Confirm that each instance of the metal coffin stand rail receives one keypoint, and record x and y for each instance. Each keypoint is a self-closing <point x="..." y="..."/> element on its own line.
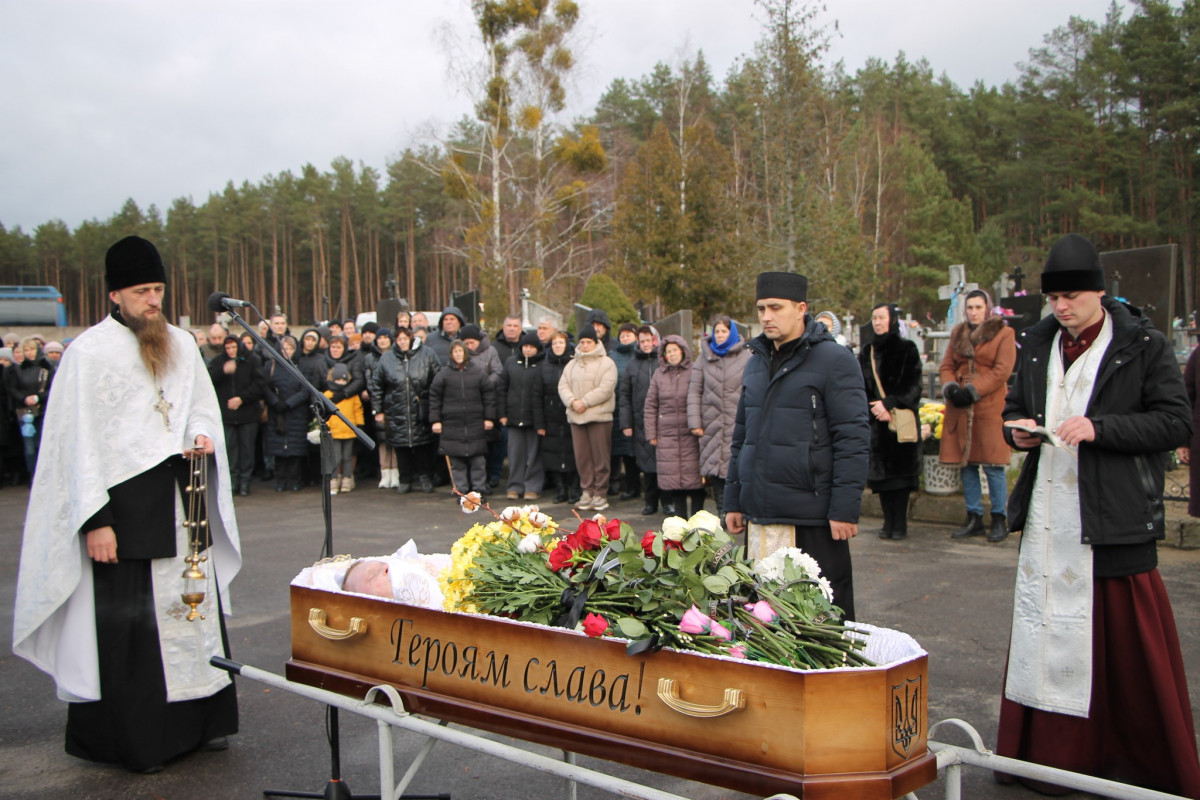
<point x="950" y="758"/>
<point x="396" y="716"/>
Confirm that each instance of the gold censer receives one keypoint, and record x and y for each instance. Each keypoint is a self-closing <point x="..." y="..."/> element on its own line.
<point x="194" y="578"/>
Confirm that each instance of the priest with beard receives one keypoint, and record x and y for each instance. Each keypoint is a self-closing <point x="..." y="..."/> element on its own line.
<point x="99" y="604"/>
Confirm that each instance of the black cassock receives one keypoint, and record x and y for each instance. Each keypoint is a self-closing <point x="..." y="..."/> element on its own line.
<point x="132" y="723"/>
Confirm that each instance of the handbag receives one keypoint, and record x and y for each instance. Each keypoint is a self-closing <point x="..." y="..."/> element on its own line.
<point x="904" y="420"/>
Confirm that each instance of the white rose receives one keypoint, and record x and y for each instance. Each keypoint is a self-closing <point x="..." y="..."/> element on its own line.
<point x="674" y="529"/>
<point x="706" y="520"/>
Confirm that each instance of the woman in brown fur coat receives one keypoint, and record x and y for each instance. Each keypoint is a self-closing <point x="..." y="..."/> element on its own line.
<point x="974" y="375"/>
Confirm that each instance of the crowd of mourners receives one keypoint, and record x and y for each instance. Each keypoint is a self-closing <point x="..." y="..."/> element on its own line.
<point x="575" y="418"/>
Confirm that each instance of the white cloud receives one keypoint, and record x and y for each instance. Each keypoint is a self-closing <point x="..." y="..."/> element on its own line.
<point x="110" y="99"/>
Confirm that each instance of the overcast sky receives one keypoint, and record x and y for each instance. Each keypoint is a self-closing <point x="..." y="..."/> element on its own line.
<point x="104" y="100"/>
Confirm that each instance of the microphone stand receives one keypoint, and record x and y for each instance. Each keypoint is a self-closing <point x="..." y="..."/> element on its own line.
<point x="323" y="408"/>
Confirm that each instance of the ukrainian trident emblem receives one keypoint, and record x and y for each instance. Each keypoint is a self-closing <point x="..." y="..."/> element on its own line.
<point x="906" y="716"/>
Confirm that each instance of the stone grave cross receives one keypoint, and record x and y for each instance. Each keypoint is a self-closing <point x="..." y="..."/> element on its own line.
<point x="956" y="292"/>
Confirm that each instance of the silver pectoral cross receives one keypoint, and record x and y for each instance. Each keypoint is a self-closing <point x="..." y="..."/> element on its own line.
<point x="163" y="407"/>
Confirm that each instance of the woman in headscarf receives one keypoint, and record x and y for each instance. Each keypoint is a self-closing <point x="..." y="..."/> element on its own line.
<point x="286" y="438"/>
<point x="716" y="387"/>
<point x="677" y="448"/>
<point x="462" y="409"/>
<point x="891" y="368"/>
<point x="237" y="377"/>
<point x="974" y="373"/>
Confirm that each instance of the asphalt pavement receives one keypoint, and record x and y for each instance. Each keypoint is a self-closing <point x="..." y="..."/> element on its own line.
<point x="955" y="598"/>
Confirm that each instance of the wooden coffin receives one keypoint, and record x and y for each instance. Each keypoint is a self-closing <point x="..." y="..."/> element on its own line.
<point x="853" y="733"/>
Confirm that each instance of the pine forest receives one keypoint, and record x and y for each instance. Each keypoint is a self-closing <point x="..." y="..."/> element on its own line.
<point x="680" y="185"/>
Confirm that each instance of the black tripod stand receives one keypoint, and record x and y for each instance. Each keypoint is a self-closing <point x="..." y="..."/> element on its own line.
<point x="323" y="409"/>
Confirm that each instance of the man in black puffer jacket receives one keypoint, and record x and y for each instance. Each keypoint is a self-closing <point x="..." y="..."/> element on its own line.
<point x="801" y="440"/>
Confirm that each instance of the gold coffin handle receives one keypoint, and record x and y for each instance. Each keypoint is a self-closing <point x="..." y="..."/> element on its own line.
<point x="668" y="692"/>
<point x="316" y="620"/>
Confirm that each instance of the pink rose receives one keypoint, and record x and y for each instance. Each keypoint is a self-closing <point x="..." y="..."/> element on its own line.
<point x="762" y="611"/>
<point x="738" y="651"/>
<point x="594" y="625"/>
<point x="720" y="631"/>
<point x="694" y="621"/>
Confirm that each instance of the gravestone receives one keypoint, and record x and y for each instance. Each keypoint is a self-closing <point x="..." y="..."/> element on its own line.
<point x="533" y="312"/>
<point x="468" y="304"/>
<point x="579" y="311"/>
<point x="387" y="309"/>
<point x="678" y="324"/>
<point x="1149" y="278"/>
<point x="1026" y="308"/>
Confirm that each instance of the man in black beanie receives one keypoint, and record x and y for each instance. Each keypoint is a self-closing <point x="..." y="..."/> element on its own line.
<point x="801" y="441"/>
<point x="105" y="538"/>
<point x="1095" y="680"/>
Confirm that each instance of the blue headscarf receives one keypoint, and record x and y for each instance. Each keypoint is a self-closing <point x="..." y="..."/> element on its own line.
<point x="735" y="338"/>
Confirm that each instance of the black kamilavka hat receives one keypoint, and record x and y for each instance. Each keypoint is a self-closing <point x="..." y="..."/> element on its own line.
<point x="784" y="285"/>
<point x="132" y="262"/>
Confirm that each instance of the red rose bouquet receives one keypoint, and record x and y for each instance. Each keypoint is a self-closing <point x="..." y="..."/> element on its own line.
<point x="686" y="586"/>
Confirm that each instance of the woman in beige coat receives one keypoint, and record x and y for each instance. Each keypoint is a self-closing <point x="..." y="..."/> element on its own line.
<point x="974" y="373"/>
<point x="588" y="388"/>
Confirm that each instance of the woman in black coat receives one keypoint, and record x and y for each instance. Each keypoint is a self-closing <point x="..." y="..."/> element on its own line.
<point x="237" y="377"/>
<point x="516" y="401"/>
<point x="558" y="451"/>
<point x="28" y="386"/>
<point x="314" y="365"/>
<point x="635" y="385"/>
<point x="399" y="387"/>
<point x="287" y="420"/>
<point x="462" y="409"/>
<point x="894" y="467"/>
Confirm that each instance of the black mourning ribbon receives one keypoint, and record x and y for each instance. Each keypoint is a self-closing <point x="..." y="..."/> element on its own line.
<point x="574" y="601"/>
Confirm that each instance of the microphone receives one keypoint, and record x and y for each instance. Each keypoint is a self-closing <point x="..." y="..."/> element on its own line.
<point x="220" y="301"/>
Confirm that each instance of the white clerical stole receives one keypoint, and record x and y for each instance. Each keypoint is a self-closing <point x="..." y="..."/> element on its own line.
<point x="1050" y="655"/>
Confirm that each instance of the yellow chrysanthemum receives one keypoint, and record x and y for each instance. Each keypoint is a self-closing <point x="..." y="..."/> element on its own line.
<point x="457" y="588"/>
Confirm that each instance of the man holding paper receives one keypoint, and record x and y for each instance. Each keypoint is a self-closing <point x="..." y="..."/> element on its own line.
<point x="1095" y="679"/>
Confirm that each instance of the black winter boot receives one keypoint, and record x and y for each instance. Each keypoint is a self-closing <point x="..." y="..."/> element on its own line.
<point x="885" y="502"/>
<point x="999" y="529"/>
<point x="652" y="496"/>
<point x="560" y="486"/>
<point x="900" y="515"/>
<point x="972" y="527"/>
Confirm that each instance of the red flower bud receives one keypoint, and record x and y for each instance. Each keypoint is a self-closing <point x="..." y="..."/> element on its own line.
<point x="561" y="556"/>
<point x="594" y="625"/>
